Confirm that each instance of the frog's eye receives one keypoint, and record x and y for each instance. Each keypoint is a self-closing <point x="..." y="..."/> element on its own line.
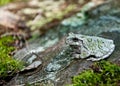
<point x="75" y="39"/>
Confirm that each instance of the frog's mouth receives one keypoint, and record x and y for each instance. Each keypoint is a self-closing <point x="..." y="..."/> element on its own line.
<point x="74" y="46"/>
<point x="76" y="49"/>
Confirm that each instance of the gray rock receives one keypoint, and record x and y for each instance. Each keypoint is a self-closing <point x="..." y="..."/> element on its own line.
<point x="34" y="65"/>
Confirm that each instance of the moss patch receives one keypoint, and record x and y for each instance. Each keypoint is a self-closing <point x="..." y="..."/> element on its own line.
<point x="7" y="63"/>
<point x="101" y="73"/>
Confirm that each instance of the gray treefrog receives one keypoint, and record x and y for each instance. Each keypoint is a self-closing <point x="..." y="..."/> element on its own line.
<point x="90" y="47"/>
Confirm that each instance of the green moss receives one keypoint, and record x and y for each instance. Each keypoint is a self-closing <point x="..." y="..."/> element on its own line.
<point x="101" y="73"/>
<point x="7" y="63"/>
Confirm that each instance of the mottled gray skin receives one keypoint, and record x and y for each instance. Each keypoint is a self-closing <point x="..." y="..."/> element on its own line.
<point x="90" y="47"/>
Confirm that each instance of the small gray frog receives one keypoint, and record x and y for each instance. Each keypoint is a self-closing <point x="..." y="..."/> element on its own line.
<point x="90" y="47"/>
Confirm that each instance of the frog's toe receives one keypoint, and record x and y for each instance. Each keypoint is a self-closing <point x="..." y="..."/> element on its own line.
<point x="94" y="59"/>
<point x="76" y="56"/>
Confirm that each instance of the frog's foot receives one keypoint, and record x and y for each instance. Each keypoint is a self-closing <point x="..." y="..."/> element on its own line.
<point x="94" y="59"/>
<point x="97" y="58"/>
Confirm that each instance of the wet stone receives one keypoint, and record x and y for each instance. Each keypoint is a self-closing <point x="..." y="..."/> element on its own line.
<point x="59" y="62"/>
<point x="81" y="47"/>
<point x="53" y="67"/>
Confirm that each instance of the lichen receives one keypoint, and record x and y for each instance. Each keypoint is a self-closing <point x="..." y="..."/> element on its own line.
<point x="75" y="20"/>
<point x="7" y="63"/>
<point x="101" y="73"/>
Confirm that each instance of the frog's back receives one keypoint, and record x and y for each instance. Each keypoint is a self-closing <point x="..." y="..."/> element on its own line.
<point x="98" y="46"/>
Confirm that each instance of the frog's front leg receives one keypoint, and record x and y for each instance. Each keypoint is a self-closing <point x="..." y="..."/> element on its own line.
<point x="76" y="56"/>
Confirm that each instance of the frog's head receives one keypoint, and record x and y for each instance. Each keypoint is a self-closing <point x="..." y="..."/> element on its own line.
<point x="74" y="39"/>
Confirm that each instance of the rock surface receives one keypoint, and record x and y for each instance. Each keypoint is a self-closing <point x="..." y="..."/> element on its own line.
<point x="106" y="25"/>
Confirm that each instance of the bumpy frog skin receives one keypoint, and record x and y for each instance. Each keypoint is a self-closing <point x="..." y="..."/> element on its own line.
<point x="90" y="47"/>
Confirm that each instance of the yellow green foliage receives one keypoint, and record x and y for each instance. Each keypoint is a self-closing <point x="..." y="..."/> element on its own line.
<point x="52" y="16"/>
<point x="7" y="63"/>
<point x="102" y="73"/>
<point x="3" y="2"/>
